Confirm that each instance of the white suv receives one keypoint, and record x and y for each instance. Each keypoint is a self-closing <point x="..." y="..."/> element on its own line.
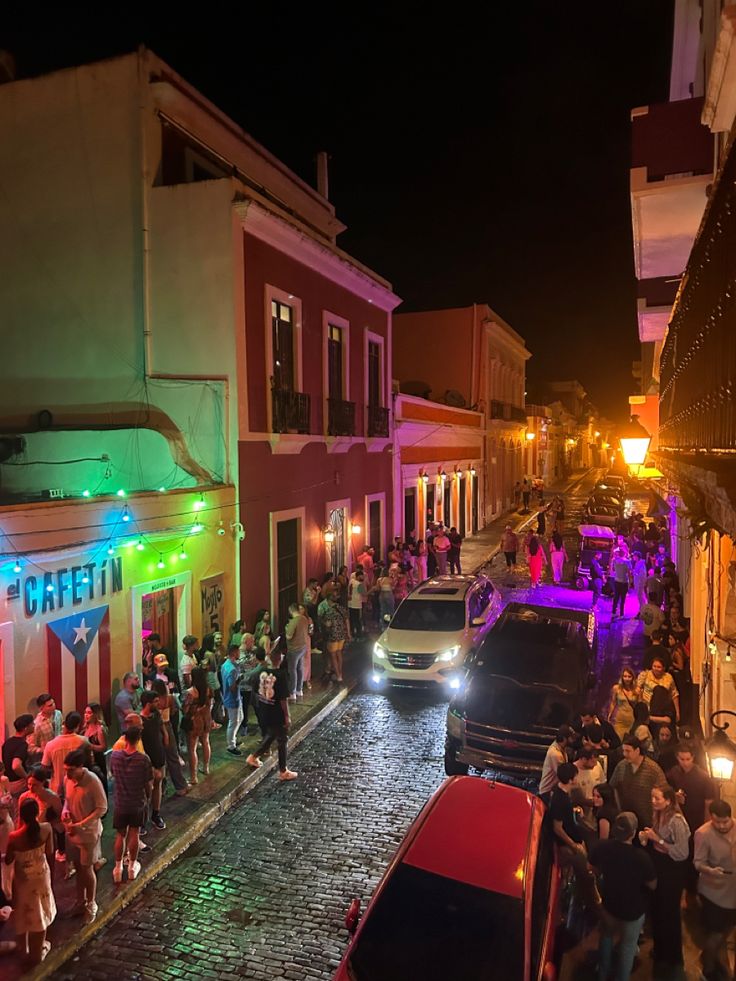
<point x="432" y="632"/>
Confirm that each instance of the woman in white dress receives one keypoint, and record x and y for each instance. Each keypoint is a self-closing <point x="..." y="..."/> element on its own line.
<point x="31" y="849"/>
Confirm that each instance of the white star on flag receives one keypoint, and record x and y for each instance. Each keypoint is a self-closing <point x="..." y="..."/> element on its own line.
<point x="80" y="632"/>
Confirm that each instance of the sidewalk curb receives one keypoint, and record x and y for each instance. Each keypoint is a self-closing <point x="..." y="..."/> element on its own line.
<point x="209" y="816"/>
<point x="529" y="518"/>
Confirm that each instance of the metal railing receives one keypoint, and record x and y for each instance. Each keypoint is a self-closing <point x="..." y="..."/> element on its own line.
<point x="698" y="363"/>
<point x="377" y="420"/>
<point x="340" y="417"/>
<point x="291" y="411"/>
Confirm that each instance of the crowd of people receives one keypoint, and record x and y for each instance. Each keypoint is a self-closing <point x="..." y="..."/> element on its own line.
<point x="641" y="825"/>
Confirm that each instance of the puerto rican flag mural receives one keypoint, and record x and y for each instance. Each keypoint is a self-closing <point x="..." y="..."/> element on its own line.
<point x="78" y="659"/>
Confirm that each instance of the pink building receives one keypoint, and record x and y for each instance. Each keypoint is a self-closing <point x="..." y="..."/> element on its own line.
<point x="469" y="357"/>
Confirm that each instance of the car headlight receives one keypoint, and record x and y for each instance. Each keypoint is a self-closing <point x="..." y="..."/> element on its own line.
<point x="378" y="651"/>
<point x="448" y="655"/>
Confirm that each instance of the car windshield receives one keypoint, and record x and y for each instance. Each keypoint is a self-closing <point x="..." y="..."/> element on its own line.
<point x="533" y="654"/>
<point x="428" y="926"/>
<point x="440" y="615"/>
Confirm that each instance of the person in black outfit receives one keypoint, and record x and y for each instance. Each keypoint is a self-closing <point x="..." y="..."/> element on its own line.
<point x="562" y="819"/>
<point x="596" y="577"/>
<point x="273" y="695"/>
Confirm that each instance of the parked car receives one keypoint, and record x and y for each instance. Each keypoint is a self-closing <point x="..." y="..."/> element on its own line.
<point x="617" y="483"/>
<point x="603" y="509"/>
<point x="531" y="675"/>
<point x="439" y="624"/>
<point x="474" y="891"/>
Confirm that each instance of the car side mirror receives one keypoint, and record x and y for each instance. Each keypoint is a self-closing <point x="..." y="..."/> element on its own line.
<point x="550" y="972"/>
<point x="352" y="917"/>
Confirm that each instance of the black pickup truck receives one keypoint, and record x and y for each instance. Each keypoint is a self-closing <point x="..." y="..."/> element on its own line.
<point x="532" y="673"/>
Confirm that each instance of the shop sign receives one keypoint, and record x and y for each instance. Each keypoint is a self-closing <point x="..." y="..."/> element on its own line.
<point x="44" y="592"/>
<point x="212" y="592"/>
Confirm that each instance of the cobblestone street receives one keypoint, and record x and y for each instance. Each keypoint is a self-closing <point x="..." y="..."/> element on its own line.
<point x="264" y="894"/>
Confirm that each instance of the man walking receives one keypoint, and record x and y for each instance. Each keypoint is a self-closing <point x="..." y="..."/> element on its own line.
<point x="715" y="861"/>
<point x="627" y="873"/>
<point x="231" y="698"/>
<point x="84" y="806"/>
<point x="297" y="638"/>
<point x="274" y="711"/>
<point x="639" y="574"/>
<point x="596" y="578"/>
<point x="133" y="776"/>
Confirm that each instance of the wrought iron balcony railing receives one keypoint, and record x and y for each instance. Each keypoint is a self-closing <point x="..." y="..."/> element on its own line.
<point x="698" y="363"/>
<point x="377" y="421"/>
<point x="291" y="411"/>
<point x="340" y="417"/>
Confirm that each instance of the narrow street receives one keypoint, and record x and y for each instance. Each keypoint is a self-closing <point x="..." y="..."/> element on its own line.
<point x="263" y="895"/>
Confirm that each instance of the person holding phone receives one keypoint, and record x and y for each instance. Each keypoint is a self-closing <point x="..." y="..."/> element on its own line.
<point x="715" y="861"/>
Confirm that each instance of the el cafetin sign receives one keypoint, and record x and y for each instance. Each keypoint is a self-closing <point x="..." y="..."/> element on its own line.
<point x="67" y="586"/>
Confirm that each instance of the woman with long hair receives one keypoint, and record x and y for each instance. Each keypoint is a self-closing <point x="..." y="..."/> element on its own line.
<point x="624" y="696"/>
<point x="94" y="730"/>
<point x="31" y="852"/>
<point x="420" y="561"/>
<point x="208" y="659"/>
<point x="558" y="556"/>
<point x="536" y="559"/>
<point x="197" y="722"/>
<point x="668" y="842"/>
<point x="605" y="810"/>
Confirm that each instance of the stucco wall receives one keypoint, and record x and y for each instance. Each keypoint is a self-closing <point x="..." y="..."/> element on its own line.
<point x="435" y="347"/>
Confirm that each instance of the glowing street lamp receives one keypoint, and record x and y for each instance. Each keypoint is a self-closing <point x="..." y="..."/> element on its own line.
<point x="720" y="748"/>
<point x="328" y="535"/>
<point x="355" y="528"/>
<point x="531" y="436"/>
<point x="634" y="440"/>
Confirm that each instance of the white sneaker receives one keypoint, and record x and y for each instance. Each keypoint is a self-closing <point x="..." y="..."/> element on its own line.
<point x="90" y="913"/>
<point x="133" y="870"/>
<point x="252" y="760"/>
<point x="287" y="775"/>
<point x="117" y="873"/>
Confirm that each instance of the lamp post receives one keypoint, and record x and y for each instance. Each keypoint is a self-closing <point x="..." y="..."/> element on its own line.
<point x="634" y="440"/>
<point x="720" y="749"/>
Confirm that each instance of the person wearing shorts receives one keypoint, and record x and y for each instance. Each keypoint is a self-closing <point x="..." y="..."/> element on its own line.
<point x="84" y="805"/>
<point x="133" y="775"/>
<point x="509" y="547"/>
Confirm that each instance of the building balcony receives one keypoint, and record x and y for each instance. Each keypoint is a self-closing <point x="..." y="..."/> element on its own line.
<point x="340" y="417"/>
<point x="698" y="362"/>
<point x="507" y="412"/>
<point x="378" y="421"/>
<point x="672" y="159"/>
<point x="291" y="411"/>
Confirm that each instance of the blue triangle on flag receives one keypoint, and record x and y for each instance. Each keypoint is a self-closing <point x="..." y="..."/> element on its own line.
<point x="77" y="632"/>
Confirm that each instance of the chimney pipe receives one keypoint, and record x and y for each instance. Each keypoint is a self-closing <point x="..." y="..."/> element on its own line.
<point x="322" y="174"/>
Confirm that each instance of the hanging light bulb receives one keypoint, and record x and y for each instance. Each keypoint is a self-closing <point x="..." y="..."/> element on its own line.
<point x="126" y="516"/>
<point x="121" y="492"/>
<point x="49" y="588"/>
<point x="196" y="528"/>
<point x="198" y="505"/>
<point x="85" y="579"/>
<point x="110" y="550"/>
<point x="16" y="567"/>
<point x="160" y="563"/>
<point x="182" y="554"/>
<point x="140" y="546"/>
<point x="86" y="493"/>
<point x="162" y="490"/>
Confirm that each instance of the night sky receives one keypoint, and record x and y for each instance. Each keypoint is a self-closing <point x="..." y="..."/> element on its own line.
<point x="483" y="159"/>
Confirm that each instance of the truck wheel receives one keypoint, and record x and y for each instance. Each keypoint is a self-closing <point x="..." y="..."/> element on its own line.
<point x="581" y="582"/>
<point x="452" y="767"/>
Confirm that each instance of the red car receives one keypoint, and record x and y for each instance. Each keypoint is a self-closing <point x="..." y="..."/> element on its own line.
<point x="472" y="894"/>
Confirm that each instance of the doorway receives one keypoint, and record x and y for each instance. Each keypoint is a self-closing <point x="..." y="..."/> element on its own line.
<point x="287" y="569"/>
<point x="461" y="506"/>
<point x="375" y="535"/>
<point x="158" y="617"/>
<point x="430" y="502"/>
<point x="410" y="511"/>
